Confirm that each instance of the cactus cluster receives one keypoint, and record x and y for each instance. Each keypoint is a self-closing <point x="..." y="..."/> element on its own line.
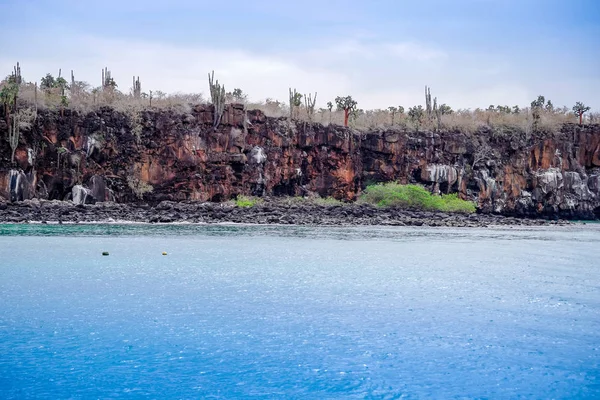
<point x="217" y="96"/>
<point x="309" y="103"/>
<point x="107" y="80"/>
<point x="295" y="103"/>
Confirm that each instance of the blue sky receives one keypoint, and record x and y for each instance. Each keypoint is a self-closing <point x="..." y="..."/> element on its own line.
<point x="471" y="52"/>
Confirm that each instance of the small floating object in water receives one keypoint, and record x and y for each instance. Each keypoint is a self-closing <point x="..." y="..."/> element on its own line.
<point x="105" y="253"/>
<point x="164" y="253"/>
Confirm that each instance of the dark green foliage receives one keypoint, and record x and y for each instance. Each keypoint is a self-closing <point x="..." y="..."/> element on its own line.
<point x="413" y="196"/>
<point x="348" y="105"/>
<point x="47" y="82"/>
<point x="539" y="103"/>
<point x="579" y="109"/>
<point x="416" y="114"/>
<point x="445" y="109"/>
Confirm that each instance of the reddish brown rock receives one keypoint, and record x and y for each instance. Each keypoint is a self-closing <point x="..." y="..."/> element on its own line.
<point x="177" y="155"/>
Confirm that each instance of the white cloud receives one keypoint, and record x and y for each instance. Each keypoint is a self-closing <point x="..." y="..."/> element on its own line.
<point x="376" y="74"/>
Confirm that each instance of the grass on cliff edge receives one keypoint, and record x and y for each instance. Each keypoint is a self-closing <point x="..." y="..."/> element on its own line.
<point x="414" y="196"/>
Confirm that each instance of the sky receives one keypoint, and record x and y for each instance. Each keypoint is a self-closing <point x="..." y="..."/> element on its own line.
<point x="472" y="53"/>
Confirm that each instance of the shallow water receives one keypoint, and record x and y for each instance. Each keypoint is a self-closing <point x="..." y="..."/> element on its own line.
<point x="298" y="312"/>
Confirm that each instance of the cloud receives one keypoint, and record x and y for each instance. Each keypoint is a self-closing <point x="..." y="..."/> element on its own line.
<point x="376" y="74"/>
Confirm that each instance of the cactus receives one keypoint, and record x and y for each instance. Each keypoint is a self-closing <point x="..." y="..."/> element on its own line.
<point x="309" y="103"/>
<point x="13" y="135"/>
<point x="217" y="95"/>
<point x="428" y="107"/>
<point x="17" y="74"/>
<point x="107" y="80"/>
<point x="10" y="92"/>
<point x="137" y="88"/>
<point x="295" y="102"/>
<point x="437" y="111"/>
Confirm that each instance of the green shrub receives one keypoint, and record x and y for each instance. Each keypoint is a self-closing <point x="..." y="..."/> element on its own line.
<point x="453" y="204"/>
<point x="245" y="201"/>
<point x="413" y="196"/>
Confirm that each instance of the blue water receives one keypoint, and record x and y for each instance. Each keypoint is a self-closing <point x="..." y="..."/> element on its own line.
<point x="298" y="313"/>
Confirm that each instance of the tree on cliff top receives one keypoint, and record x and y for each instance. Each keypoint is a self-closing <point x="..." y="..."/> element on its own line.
<point x="347" y="104"/>
<point x="579" y="109"/>
<point x="237" y="96"/>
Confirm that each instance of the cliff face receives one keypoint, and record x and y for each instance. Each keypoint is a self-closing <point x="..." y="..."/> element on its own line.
<point x="160" y="155"/>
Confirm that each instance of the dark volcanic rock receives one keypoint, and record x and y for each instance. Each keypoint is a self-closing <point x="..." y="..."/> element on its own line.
<point x="273" y="212"/>
<point x="175" y="155"/>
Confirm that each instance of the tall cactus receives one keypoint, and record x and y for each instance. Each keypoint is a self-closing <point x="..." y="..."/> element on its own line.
<point x="295" y="102"/>
<point x="309" y="103"/>
<point x="137" y="88"/>
<point x="437" y="111"/>
<point x="13" y="136"/>
<point x="17" y="74"/>
<point x="107" y="80"/>
<point x="217" y="95"/>
<point x="428" y="106"/>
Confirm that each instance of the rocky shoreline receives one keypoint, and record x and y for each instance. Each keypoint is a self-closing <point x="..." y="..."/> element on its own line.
<point x="268" y="212"/>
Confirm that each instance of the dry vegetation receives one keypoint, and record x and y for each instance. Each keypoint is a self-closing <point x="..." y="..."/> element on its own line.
<point x="82" y="97"/>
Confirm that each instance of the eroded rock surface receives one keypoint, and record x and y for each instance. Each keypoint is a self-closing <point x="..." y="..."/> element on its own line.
<point x="175" y="155"/>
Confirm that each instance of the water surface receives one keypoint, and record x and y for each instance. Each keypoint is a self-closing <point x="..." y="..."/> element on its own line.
<point x="298" y="312"/>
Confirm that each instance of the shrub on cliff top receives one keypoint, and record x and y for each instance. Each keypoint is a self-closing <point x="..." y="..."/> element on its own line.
<point x="413" y="196"/>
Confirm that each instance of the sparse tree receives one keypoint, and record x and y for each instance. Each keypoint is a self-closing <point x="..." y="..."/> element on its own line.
<point x="445" y="109"/>
<point x="549" y="106"/>
<point x="416" y="114"/>
<point x="516" y="110"/>
<point x="47" y="82"/>
<point x="537" y="106"/>
<point x="579" y="109"/>
<point x="329" y="107"/>
<point x="347" y="104"/>
<point x="539" y="102"/>
<point x="237" y="96"/>
<point x="393" y="110"/>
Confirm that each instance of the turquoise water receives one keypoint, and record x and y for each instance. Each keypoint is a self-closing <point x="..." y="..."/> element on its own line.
<point x="298" y="312"/>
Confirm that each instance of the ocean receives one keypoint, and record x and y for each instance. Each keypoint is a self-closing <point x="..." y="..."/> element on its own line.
<point x="287" y="312"/>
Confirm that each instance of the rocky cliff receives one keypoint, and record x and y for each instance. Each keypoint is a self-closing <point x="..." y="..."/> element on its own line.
<point x="156" y="155"/>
